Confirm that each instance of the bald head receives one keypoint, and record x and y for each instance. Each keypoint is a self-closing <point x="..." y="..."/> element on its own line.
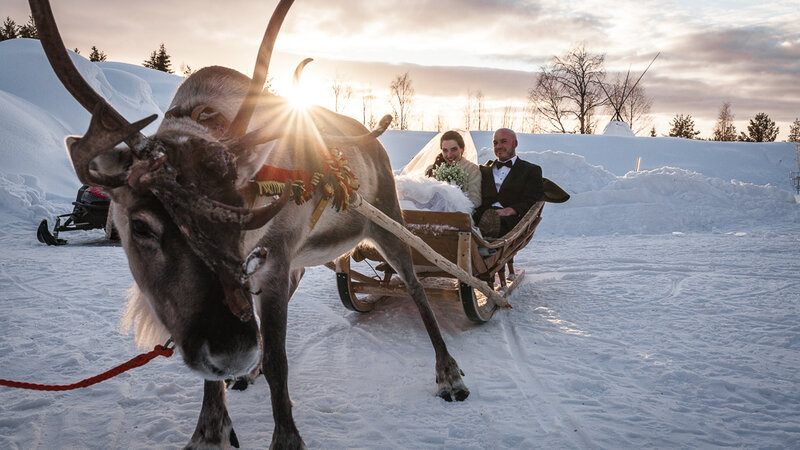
<point x="506" y="131"/>
<point x="505" y="144"/>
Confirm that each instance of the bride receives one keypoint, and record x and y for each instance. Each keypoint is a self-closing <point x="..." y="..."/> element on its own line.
<point x="443" y="176"/>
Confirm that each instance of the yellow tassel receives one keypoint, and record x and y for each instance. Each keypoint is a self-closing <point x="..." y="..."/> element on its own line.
<point x="337" y="181"/>
<point x="328" y="190"/>
<point x="270" y="187"/>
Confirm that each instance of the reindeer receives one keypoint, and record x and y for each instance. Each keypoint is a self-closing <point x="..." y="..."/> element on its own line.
<point x="204" y="249"/>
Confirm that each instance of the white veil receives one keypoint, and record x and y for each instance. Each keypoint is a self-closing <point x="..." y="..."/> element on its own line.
<point x="432" y="149"/>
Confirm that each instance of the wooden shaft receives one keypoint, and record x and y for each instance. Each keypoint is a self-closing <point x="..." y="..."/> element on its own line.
<point x="377" y="216"/>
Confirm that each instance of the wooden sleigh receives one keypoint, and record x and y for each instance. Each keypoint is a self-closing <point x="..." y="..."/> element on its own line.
<point x="451" y="236"/>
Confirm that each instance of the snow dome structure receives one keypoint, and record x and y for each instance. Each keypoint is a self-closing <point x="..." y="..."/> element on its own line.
<point x="618" y="128"/>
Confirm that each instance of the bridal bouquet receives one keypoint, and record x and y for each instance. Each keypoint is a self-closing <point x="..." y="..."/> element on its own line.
<point x="450" y="173"/>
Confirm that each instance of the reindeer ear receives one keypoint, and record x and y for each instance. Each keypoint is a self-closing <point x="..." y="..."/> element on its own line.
<point x="109" y="168"/>
<point x="213" y="120"/>
<point x="251" y="160"/>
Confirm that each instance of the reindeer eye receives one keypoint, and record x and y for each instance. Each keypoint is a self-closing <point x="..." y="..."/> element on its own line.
<point x="141" y="229"/>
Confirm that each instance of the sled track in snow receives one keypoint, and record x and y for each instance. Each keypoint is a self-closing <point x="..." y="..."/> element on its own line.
<point x="519" y="356"/>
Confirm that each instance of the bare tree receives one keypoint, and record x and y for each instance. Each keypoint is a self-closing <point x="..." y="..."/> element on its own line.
<point x="637" y="110"/>
<point x="570" y="87"/>
<point x="508" y="116"/>
<point x="440" y="123"/>
<point x="634" y="105"/>
<point x="468" y="111"/>
<point x="580" y="74"/>
<point x="368" y="117"/>
<point x="480" y="111"/>
<point x="724" y="129"/>
<point x="530" y="118"/>
<point x="402" y="98"/>
<point x="342" y="91"/>
<point x="549" y="99"/>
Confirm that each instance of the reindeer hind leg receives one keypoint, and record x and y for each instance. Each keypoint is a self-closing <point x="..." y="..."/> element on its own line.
<point x="448" y="374"/>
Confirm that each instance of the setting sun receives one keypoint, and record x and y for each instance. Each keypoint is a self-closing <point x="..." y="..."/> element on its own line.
<point x="300" y="98"/>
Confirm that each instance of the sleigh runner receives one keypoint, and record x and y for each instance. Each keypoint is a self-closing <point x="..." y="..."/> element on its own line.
<point x="451" y="236"/>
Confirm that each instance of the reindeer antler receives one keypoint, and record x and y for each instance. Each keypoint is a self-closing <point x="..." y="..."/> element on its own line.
<point x="108" y="128"/>
<point x="299" y="71"/>
<point x="242" y="119"/>
<point x="362" y="139"/>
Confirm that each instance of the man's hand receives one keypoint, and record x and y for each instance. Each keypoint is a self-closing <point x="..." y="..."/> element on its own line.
<point x="506" y="212"/>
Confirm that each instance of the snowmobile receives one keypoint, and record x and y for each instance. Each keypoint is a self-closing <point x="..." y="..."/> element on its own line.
<point x="90" y="212"/>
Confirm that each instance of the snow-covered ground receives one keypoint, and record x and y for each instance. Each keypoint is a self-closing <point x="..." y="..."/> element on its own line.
<point x="659" y="308"/>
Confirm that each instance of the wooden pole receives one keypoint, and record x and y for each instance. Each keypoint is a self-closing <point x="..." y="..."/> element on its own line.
<point x="377" y="216"/>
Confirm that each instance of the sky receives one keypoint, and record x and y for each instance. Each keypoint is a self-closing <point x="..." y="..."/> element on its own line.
<point x="744" y="52"/>
<point x="658" y="308"/>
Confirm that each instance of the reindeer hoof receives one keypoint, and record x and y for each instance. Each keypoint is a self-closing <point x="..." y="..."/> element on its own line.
<point x="293" y="442"/>
<point x="233" y="439"/>
<point x="457" y="394"/>
<point x="239" y="384"/>
<point x="204" y="439"/>
<point x="448" y="378"/>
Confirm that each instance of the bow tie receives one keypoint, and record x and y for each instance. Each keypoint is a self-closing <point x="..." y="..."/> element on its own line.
<point x="498" y="164"/>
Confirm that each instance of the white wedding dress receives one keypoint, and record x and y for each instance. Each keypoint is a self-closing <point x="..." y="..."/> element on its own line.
<point x="417" y="191"/>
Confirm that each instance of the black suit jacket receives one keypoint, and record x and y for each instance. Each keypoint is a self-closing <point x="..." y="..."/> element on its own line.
<point x="520" y="190"/>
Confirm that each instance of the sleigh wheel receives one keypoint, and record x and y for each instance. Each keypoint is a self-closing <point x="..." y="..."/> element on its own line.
<point x="352" y="301"/>
<point x="358" y="303"/>
<point x="478" y="308"/>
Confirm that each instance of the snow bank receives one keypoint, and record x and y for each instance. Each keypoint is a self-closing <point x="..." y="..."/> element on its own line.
<point x="36" y="111"/>
<point x="32" y="144"/>
<point x="684" y="185"/>
<point x="751" y="162"/>
<point x="668" y="200"/>
<point x="21" y="197"/>
<point x="570" y="171"/>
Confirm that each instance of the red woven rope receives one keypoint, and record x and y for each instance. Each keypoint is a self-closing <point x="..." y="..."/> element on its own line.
<point x="272" y="173"/>
<point x="137" y="361"/>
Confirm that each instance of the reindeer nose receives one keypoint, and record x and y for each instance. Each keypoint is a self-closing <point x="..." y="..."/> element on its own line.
<point x="229" y="364"/>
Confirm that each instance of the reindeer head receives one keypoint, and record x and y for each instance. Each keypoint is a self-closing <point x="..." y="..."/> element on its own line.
<point x="178" y="212"/>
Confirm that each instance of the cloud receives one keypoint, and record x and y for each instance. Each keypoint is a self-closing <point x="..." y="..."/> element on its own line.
<point x="748" y="53"/>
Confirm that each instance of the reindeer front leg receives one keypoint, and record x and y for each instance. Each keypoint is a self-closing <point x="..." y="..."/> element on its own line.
<point x="448" y="374"/>
<point x="214" y="427"/>
<point x="276" y="291"/>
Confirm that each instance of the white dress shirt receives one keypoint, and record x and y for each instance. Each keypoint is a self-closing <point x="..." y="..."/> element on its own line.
<point x="500" y="175"/>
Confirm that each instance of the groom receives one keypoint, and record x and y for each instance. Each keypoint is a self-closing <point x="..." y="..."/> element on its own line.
<point x="509" y="187"/>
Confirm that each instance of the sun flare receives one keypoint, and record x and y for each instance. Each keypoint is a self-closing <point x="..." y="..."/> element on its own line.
<point x="299" y="98"/>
